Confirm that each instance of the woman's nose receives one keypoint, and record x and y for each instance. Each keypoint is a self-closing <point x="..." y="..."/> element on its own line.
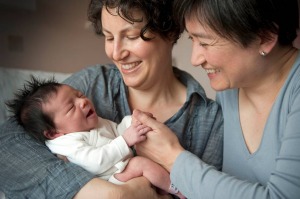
<point x="120" y="50"/>
<point x="197" y="57"/>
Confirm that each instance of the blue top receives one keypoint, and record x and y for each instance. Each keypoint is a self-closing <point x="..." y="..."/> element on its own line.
<point x="273" y="171"/>
<point x="36" y="172"/>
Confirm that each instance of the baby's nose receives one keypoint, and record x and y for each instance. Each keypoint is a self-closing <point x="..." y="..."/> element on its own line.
<point x="83" y="103"/>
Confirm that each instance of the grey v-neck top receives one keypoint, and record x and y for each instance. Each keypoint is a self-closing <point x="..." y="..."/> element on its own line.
<point x="273" y="171"/>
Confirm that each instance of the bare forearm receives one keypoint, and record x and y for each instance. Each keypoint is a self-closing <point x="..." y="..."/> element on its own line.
<point x="97" y="188"/>
<point x="133" y="189"/>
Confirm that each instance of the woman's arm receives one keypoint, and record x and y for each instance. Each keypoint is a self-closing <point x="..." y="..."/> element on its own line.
<point x="134" y="189"/>
<point x="196" y="179"/>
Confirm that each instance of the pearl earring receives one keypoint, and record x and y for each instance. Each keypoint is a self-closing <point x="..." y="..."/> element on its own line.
<point x="262" y="53"/>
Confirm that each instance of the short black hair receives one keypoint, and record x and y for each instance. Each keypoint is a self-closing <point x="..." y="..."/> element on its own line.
<point x="26" y="107"/>
<point x="243" y="21"/>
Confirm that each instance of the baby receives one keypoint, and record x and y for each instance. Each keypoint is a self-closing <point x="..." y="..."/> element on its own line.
<point x="66" y="121"/>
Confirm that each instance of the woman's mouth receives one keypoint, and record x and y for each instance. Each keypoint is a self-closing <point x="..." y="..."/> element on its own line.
<point x="212" y="71"/>
<point x="130" y="66"/>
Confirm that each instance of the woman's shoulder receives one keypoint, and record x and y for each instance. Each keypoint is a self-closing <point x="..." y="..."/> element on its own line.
<point x="292" y="83"/>
<point x="90" y="77"/>
<point x="95" y="71"/>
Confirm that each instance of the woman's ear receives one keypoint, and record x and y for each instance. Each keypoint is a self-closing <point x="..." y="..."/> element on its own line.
<point x="266" y="45"/>
<point x="52" y="135"/>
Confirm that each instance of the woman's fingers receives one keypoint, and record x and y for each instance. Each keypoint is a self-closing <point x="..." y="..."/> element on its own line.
<point x="161" y="145"/>
<point x="146" y="119"/>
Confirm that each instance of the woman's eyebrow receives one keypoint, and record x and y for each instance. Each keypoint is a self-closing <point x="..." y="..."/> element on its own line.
<point x="201" y="35"/>
<point x="128" y="28"/>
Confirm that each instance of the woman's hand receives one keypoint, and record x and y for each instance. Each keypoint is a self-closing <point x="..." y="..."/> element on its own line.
<point x="133" y="189"/>
<point x="161" y="145"/>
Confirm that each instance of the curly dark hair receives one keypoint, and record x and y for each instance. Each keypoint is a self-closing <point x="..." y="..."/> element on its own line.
<point x="27" y="110"/>
<point x="158" y="15"/>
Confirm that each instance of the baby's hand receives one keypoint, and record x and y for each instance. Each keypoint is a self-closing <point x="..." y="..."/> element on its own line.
<point x="135" y="133"/>
<point x="62" y="157"/>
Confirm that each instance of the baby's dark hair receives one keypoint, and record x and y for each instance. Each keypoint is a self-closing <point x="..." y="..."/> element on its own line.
<point x="27" y="110"/>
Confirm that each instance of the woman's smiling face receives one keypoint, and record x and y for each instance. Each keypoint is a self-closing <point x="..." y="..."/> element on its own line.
<point x="228" y="64"/>
<point x="140" y="62"/>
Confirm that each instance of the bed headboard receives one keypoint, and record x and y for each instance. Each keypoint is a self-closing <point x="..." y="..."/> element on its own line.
<point x="12" y="79"/>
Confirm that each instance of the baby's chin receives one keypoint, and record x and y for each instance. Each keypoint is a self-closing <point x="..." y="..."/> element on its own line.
<point x="94" y="121"/>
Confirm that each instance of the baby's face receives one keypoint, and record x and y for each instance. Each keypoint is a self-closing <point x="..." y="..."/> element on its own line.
<point x="71" y="111"/>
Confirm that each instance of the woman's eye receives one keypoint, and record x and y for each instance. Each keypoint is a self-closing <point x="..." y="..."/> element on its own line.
<point x="200" y="43"/>
<point x="133" y="37"/>
<point x="203" y="44"/>
<point x="109" y="38"/>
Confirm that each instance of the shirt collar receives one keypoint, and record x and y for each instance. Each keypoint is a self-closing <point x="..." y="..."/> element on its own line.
<point x="192" y="85"/>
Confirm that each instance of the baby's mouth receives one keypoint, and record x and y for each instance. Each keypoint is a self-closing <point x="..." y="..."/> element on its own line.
<point x="91" y="112"/>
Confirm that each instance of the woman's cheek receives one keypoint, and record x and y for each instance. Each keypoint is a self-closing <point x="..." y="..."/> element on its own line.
<point x="108" y="50"/>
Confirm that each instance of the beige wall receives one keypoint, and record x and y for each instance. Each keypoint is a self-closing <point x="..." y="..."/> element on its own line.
<point x="54" y="35"/>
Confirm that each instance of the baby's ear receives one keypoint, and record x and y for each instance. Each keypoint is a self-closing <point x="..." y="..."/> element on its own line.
<point x="52" y="135"/>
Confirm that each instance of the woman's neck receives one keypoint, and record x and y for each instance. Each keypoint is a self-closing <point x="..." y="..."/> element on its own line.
<point x="163" y="99"/>
<point x="267" y="88"/>
<point x="256" y="102"/>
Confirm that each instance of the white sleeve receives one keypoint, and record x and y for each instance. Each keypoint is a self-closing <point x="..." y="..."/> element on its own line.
<point x="94" y="159"/>
<point x="125" y="123"/>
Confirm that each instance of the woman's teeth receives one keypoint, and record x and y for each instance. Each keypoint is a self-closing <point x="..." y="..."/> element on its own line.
<point x="129" y="66"/>
<point x="210" y="71"/>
